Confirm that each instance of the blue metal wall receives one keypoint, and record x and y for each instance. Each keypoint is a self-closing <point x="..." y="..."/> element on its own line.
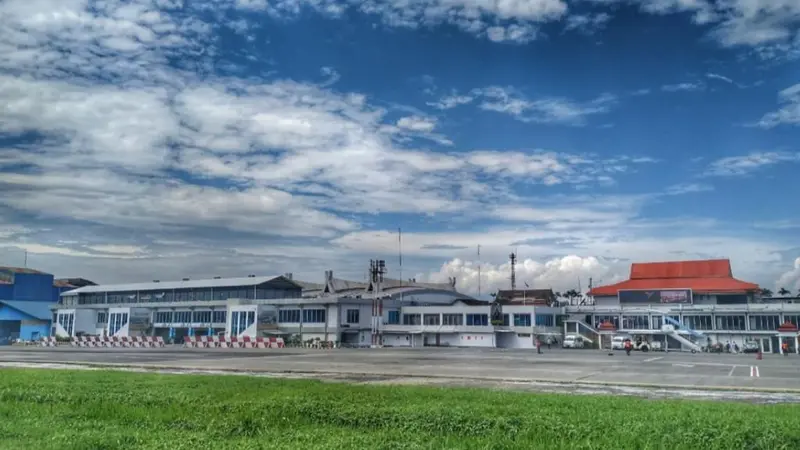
<point x="6" y="291"/>
<point x="33" y="332"/>
<point x="32" y="287"/>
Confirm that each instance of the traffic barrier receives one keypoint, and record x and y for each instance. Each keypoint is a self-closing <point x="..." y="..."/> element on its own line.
<point x="232" y="342"/>
<point x="49" y="342"/>
<point x="118" y="341"/>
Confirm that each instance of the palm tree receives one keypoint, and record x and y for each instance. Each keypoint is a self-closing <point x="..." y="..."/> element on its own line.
<point x="766" y="292"/>
<point x="783" y="292"/>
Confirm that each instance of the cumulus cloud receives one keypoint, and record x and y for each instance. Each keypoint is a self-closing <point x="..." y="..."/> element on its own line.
<point x="560" y="274"/>
<point x="791" y="279"/>
<point x="788" y="113"/>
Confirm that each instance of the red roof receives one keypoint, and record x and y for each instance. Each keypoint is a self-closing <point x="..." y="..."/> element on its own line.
<point x="712" y="275"/>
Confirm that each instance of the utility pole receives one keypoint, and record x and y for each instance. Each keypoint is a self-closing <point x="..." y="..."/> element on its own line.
<point x="513" y="257"/>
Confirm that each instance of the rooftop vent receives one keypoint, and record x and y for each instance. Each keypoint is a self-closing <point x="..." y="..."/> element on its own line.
<point x="185" y="279"/>
<point x="156" y="281"/>
<point x="217" y="278"/>
<point x="251" y="276"/>
<point x="288" y="275"/>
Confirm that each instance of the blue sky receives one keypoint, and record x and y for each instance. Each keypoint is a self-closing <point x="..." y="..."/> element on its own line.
<point x="178" y="139"/>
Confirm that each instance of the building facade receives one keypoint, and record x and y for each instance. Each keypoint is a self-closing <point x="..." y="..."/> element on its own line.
<point x="686" y="305"/>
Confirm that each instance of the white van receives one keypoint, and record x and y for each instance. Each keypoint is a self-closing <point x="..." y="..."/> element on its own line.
<point x="573" y="341"/>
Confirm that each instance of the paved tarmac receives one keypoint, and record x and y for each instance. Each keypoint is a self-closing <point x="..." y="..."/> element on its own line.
<point x="671" y="371"/>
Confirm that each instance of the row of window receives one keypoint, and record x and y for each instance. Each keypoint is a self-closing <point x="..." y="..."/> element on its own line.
<point x="241" y="320"/>
<point x="699" y="322"/>
<point x="308" y="315"/>
<point x="205" y="294"/>
<point x="67" y="321"/>
<point x="520" y="320"/>
<point x="190" y="316"/>
<point x="116" y="321"/>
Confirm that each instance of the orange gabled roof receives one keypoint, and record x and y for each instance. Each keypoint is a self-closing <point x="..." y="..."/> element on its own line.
<point x="699" y="276"/>
<point x="709" y="268"/>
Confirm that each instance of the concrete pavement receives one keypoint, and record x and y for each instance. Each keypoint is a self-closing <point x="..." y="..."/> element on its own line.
<point x="671" y="371"/>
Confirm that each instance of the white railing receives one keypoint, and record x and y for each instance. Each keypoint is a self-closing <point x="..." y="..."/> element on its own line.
<point x="687" y="309"/>
<point x="436" y="329"/>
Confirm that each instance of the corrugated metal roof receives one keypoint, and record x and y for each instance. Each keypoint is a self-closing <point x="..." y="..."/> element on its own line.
<point x="190" y="284"/>
<point x="38" y="310"/>
<point x="708" y="268"/>
<point x="704" y="276"/>
<point x="20" y="270"/>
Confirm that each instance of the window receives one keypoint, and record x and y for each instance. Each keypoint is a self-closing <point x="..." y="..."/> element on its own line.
<point x="453" y="319"/>
<point x="182" y="316"/>
<point x="67" y="321"/>
<point x="102" y="317"/>
<point x="657" y="322"/>
<point x="770" y="323"/>
<point x="545" y="320"/>
<point x="793" y="319"/>
<point x="116" y="321"/>
<point x="394" y="318"/>
<point x="289" y="316"/>
<point x="522" y="320"/>
<point x="241" y="320"/>
<point x="220" y="316"/>
<point x="614" y="320"/>
<point x="636" y="322"/>
<point x="731" y="323"/>
<point x="412" y="319"/>
<point x="313" y="316"/>
<point x="506" y="320"/>
<point x="353" y="316"/>
<point x="163" y="317"/>
<point x="697" y="322"/>
<point x="430" y="319"/>
<point x="477" y="320"/>
<point x="202" y="317"/>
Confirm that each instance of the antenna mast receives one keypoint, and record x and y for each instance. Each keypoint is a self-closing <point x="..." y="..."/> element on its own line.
<point x="479" y="270"/>
<point x="513" y="257"/>
<point x="400" y="253"/>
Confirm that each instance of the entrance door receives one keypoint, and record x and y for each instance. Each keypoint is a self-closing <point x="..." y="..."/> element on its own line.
<point x="765" y="345"/>
<point x="438" y="339"/>
<point x="776" y="344"/>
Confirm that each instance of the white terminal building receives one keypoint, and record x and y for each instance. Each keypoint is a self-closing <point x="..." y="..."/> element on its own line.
<point x="683" y="305"/>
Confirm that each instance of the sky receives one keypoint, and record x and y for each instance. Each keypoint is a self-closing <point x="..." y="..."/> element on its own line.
<point x="162" y="139"/>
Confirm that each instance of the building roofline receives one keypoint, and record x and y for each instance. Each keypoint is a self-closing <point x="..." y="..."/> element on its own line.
<point x="185" y="284"/>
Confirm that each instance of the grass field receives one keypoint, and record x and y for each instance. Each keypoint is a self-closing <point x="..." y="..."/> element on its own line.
<point x="53" y="409"/>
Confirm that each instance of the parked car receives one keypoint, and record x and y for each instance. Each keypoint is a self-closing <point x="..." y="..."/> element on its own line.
<point x="618" y="342"/>
<point x="751" y="347"/>
<point x="573" y="341"/>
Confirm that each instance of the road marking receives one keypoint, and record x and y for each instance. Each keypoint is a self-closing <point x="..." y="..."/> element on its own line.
<point x="730" y="374"/>
<point x="683" y="365"/>
<point x="653" y="359"/>
<point x="754" y="372"/>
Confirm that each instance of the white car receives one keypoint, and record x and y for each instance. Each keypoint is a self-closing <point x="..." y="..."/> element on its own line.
<point x="618" y="342"/>
<point x="573" y="341"/>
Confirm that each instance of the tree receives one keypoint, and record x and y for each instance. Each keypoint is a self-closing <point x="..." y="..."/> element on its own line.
<point x="783" y="292"/>
<point x="766" y="292"/>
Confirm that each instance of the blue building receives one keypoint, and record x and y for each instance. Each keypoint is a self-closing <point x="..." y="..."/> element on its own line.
<point x="24" y="320"/>
<point x="25" y="297"/>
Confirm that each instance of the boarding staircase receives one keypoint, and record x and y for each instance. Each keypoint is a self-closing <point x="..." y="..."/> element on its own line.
<point x="672" y="330"/>
<point x="575" y="324"/>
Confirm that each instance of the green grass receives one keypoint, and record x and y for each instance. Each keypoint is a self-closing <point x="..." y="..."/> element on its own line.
<point x="53" y="409"/>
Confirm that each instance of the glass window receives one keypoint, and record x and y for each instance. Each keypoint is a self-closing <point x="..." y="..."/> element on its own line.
<point x="220" y="316"/>
<point x="767" y="323"/>
<point x="394" y="318"/>
<point x="412" y="319"/>
<point x="453" y="319"/>
<point x="313" y="316"/>
<point x="697" y="322"/>
<point x="430" y="319"/>
<point x="477" y="320"/>
<point x="522" y="320"/>
<point x="731" y="323"/>
<point x="636" y="322"/>
<point x="506" y="320"/>
<point x="289" y="316"/>
<point x="102" y="317"/>
<point x="545" y="320"/>
<point x="353" y="316"/>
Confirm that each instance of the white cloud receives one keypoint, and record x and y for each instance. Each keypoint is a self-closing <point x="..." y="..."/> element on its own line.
<point x="416" y="123"/>
<point x="560" y="274"/>
<point x="790" y="279"/>
<point x="746" y="164"/>
<point x="715" y="76"/>
<point x="789" y="113"/>
<point x="688" y="188"/>
<point x="551" y="110"/>
<point x="687" y="87"/>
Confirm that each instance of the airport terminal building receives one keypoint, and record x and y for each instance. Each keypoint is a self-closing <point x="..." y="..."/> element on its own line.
<point x="684" y="305"/>
<point x="687" y="305"/>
